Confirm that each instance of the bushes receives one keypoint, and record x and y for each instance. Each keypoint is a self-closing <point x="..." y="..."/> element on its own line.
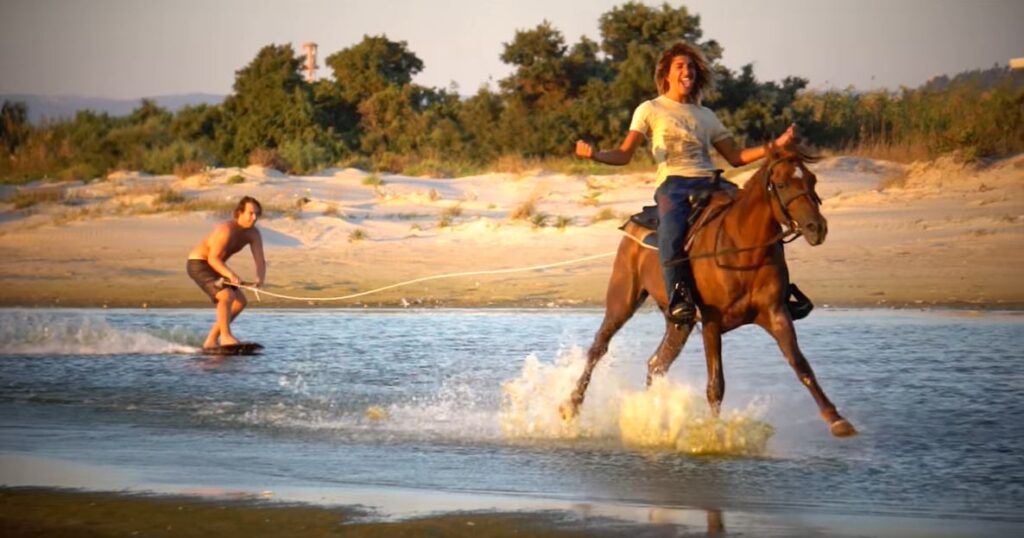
<point x="303" y="157"/>
<point x="27" y="198"/>
<point x="268" y="158"/>
<point x="374" y="117"/>
<point x="188" y="169"/>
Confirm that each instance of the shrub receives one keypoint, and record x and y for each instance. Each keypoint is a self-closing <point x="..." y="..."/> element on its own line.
<point x="28" y="198"/>
<point x="513" y="163"/>
<point x="268" y="158"/>
<point x="525" y="211"/>
<point x="83" y="171"/>
<point x="357" y="235"/>
<point x="373" y="180"/>
<point x="562" y="221"/>
<point x="188" y="168"/>
<point x="448" y="216"/>
<point x="165" y="159"/>
<point x="304" y="157"/>
<point x="590" y="199"/>
<point x="539" y="220"/>
<point x="236" y="179"/>
<point x="169" y="197"/>
<point x="605" y="214"/>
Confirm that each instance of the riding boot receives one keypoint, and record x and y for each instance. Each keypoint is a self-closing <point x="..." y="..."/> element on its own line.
<point x="682" y="309"/>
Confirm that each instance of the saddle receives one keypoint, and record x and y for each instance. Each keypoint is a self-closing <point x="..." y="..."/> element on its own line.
<point x="706" y="204"/>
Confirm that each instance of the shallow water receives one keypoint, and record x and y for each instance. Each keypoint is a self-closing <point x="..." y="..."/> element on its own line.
<point x="465" y="403"/>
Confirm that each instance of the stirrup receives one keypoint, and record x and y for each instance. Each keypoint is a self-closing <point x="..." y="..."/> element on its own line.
<point x="798" y="304"/>
<point x="681" y="308"/>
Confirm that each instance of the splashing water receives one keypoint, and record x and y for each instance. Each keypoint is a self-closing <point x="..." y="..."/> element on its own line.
<point x="675" y="417"/>
<point x="32" y="333"/>
<point x="530" y="402"/>
<point x="666" y="416"/>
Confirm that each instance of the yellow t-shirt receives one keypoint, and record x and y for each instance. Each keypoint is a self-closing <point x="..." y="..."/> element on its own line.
<point x="680" y="135"/>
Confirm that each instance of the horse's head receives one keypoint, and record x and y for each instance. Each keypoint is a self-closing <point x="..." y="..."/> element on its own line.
<point x="790" y="186"/>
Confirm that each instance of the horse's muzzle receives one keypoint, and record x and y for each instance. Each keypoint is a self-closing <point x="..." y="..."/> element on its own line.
<point x="815" y="231"/>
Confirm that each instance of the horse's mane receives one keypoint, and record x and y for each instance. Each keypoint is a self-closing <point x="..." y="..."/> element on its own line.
<point x="793" y="152"/>
<point x="796" y="151"/>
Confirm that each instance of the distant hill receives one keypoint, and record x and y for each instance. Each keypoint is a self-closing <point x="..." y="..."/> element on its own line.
<point x="54" y="107"/>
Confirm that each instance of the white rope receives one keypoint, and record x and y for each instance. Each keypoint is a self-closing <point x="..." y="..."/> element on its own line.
<point x="259" y="291"/>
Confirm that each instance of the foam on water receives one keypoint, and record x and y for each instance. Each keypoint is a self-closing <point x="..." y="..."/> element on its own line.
<point x="676" y="417"/>
<point x="455" y="412"/>
<point x="618" y="409"/>
<point x="31" y="333"/>
<point x="665" y="416"/>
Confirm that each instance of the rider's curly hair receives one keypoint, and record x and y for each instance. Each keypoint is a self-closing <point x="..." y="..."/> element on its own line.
<point x="702" y="83"/>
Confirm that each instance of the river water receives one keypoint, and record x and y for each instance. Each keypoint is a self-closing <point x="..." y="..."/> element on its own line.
<point x="461" y="405"/>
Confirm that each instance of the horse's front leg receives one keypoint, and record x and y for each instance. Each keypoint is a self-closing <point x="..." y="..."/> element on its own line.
<point x="780" y="325"/>
<point x="614" y="319"/>
<point x="713" y="355"/>
<point x="671" y="344"/>
<point x="624" y="296"/>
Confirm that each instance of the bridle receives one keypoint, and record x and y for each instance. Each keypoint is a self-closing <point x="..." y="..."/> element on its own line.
<point x="780" y="192"/>
<point x="790" y="229"/>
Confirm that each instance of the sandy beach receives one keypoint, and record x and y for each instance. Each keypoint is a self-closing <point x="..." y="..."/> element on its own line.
<point x="929" y="233"/>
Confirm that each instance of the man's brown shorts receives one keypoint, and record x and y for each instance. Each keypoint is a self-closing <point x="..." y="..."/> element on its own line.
<point x="208" y="280"/>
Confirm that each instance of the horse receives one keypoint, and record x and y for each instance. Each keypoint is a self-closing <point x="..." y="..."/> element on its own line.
<point x="740" y="273"/>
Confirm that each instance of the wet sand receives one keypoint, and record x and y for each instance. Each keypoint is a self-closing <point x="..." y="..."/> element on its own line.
<point x="34" y="512"/>
<point x="48" y="512"/>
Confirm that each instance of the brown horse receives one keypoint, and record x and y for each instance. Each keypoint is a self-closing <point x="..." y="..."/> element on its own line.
<point x="740" y="272"/>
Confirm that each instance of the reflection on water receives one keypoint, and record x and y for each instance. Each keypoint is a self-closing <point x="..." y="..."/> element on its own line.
<point x="464" y="404"/>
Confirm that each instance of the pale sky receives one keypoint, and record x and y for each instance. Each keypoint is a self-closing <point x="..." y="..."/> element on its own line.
<point x="138" y="48"/>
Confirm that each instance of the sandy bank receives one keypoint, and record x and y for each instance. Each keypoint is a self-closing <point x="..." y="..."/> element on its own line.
<point x="935" y="233"/>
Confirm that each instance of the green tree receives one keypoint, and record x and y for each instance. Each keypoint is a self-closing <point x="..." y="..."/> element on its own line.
<point x="633" y="36"/>
<point x="272" y="106"/>
<point x="372" y="65"/>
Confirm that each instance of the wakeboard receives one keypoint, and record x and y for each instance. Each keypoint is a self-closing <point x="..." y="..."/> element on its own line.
<point x="241" y="348"/>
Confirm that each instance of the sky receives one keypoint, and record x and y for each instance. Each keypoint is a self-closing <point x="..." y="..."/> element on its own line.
<point x="128" y="49"/>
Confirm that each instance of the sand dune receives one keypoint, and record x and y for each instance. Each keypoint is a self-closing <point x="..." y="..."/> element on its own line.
<point x="928" y="233"/>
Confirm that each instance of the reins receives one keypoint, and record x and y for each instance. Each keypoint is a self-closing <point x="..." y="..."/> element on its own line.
<point x="790" y="230"/>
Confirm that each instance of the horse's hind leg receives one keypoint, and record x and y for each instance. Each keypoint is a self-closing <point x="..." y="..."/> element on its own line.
<point x="625" y="295"/>
<point x="781" y="327"/>
<point x="671" y="344"/>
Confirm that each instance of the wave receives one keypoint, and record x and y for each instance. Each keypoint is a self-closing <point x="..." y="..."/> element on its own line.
<point x="32" y="333"/>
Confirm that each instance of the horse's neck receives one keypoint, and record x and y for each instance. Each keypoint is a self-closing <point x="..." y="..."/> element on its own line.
<point x="752" y="212"/>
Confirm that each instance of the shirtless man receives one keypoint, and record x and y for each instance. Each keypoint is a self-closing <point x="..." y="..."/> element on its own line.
<point x="206" y="265"/>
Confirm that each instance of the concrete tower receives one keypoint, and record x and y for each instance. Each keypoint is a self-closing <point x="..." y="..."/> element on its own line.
<point x="310" y="66"/>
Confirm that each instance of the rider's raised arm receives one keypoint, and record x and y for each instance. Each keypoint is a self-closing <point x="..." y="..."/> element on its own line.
<point x="739" y="157"/>
<point x="617" y="157"/>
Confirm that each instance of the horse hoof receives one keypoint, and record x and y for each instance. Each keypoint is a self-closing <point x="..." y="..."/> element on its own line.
<point x="568" y="411"/>
<point x="842" y="428"/>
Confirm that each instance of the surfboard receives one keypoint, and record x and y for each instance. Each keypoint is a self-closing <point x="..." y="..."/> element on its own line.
<point x="241" y="348"/>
